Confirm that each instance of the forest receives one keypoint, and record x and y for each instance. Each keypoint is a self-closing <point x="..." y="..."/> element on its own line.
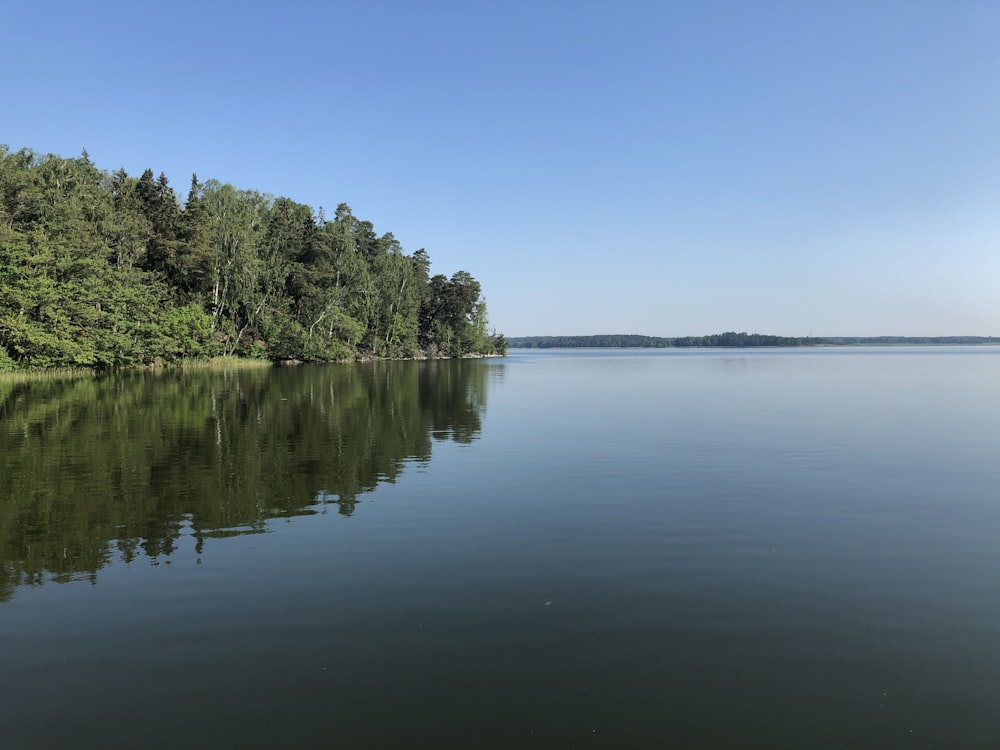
<point x="733" y="340"/>
<point x="108" y="270"/>
<point x="727" y="339"/>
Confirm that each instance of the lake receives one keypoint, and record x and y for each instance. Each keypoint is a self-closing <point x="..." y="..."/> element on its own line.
<point x="782" y="548"/>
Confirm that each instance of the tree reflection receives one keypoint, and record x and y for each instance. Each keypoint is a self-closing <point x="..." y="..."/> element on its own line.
<point x="121" y="467"/>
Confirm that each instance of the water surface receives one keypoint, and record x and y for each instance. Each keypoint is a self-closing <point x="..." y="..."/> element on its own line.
<point x="711" y="548"/>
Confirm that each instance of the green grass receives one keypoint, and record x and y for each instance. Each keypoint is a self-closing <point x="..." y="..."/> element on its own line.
<point x="63" y="373"/>
<point x="224" y="363"/>
<point x="56" y="373"/>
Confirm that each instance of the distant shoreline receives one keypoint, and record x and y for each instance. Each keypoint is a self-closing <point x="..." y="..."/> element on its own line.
<point x="731" y="339"/>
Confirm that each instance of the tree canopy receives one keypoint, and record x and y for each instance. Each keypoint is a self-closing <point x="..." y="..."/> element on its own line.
<point x="108" y="270"/>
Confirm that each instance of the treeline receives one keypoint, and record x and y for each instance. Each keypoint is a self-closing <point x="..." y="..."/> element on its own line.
<point x="911" y="340"/>
<point x="731" y="339"/>
<point x="572" y="342"/>
<point x="109" y="270"/>
<point x="656" y="342"/>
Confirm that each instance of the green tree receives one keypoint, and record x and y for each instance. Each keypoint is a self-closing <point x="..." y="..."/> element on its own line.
<point x="108" y="270"/>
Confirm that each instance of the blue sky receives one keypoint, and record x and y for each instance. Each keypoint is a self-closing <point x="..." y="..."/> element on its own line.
<point x="663" y="168"/>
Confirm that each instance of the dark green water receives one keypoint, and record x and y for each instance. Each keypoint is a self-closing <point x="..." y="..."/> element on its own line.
<point x="766" y="549"/>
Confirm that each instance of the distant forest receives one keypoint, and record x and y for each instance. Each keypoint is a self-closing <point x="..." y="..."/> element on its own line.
<point x="729" y="339"/>
<point x="108" y="270"/>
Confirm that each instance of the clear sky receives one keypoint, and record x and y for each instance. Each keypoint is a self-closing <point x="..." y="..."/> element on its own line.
<point x="638" y="166"/>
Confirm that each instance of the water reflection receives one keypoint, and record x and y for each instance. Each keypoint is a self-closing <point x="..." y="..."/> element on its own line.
<point x="93" y="470"/>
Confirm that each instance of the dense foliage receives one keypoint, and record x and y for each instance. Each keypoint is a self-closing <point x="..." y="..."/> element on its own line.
<point x="109" y="270"/>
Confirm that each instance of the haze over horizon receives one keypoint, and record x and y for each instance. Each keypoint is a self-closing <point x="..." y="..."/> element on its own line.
<point x="654" y="168"/>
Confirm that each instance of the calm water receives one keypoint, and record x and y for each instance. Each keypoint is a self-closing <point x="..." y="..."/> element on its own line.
<point x="691" y="549"/>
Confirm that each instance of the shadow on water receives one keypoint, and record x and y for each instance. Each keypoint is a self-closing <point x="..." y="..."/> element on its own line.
<point x="97" y="469"/>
